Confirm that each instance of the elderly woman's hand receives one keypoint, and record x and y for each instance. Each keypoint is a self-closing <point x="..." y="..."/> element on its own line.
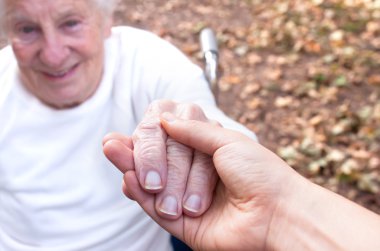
<point x="179" y="177"/>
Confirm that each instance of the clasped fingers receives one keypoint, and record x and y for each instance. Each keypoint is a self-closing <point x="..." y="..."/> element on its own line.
<point x="182" y="180"/>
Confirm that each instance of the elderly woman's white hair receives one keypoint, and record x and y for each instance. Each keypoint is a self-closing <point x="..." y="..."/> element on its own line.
<point x="106" y="6"/>
<point x="2" y="14"/>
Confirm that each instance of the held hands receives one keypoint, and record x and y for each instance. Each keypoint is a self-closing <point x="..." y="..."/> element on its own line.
<point x="175" y="176"/>
<point x="253" y="183"/>
<point x="258" y="203"/>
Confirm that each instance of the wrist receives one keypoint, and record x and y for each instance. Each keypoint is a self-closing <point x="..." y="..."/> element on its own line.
<point x="292" y="218"/>
<point x="311" y="217"/>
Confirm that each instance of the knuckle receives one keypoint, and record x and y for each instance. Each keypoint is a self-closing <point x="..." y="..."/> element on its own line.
<point x="149" y="129"/>
<point x="149" y="154"/>
<point x="177" y="150"/>
<point x="192" y="111"/>
<point x="161" y="105"/>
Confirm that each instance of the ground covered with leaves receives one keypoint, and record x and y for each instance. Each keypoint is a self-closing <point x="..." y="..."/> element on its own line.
<point x="303" y="75"/>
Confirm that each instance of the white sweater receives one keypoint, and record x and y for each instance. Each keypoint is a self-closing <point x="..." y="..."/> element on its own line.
<point x="57" y="190"/>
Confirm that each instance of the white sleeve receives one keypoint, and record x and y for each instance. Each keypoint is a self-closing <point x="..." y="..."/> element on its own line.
<point x="185" y="82"/>
<point x="166" y="73"/>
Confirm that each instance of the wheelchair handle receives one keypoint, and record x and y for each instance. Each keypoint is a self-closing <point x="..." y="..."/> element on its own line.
<point x="211" y="56"/>
<point x="208" y="41"/>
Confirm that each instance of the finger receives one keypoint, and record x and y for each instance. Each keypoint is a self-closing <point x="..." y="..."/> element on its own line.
<point x="149" y="140"/>
<point x="202" y="176"/>
<point x="179" y="164"/>
<point x="200" y="185"/>
<point x="147" y="202"/>
<point x="120" y="137"/>
<point x="126" y="191"/>
<point x="202" y="136"/>
<point x="235" y="156"/>
<point x="119" y="154"/>
<point x="169" y="201"/>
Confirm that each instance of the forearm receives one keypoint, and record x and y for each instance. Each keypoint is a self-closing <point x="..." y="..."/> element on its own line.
<point x="318" y="219"/>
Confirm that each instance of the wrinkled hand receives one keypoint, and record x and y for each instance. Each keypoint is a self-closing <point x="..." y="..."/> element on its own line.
<point x="177" y="178"/>
<point x="253" y="183"/>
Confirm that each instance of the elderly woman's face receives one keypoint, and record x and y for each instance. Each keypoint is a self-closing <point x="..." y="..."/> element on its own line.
<point x="59" y="47"/>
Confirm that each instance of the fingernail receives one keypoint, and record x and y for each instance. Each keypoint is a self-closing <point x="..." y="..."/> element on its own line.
<point x="193" y="203"/>
<point x="111" y="141"/>
<point x="153" y="181"/>
<point x="168" y="117"/>
<point x="169" y="205"/>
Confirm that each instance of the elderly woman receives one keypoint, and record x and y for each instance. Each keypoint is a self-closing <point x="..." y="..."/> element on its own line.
<point x="67" y="79"/>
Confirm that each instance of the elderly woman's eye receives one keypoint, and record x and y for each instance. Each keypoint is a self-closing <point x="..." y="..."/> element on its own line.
<point x="26" y="33"/>
<point x="27" y="29"/>
<point x="71" y="23"/>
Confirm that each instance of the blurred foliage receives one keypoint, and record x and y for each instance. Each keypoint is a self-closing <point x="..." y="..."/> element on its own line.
<point x="303" y="75"/>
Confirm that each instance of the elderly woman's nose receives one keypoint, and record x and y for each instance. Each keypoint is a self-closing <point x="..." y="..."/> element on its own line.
<point x="54" y="52"/>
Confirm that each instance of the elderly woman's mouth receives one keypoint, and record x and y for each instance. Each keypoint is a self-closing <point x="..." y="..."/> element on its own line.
<point x="58" y="75"/>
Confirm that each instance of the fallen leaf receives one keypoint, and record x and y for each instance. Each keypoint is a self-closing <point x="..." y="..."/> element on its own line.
<point x="374" y="79"/>
<point x="282" y="102"/>
<point x="254" y="59"/>
<point x="337" y="38"/>
<point x="232" y="79"/>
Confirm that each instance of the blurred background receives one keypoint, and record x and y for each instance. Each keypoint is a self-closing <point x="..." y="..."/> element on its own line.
<point x="304" y="75"/>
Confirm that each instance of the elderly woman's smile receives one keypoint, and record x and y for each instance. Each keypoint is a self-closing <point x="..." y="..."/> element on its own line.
<point x="61" y="74"/>
<point x="59" y="47"/>
<point x="57" y="77"/>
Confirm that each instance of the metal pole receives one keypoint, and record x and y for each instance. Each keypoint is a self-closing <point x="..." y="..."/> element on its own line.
<point x="211" y="56"/>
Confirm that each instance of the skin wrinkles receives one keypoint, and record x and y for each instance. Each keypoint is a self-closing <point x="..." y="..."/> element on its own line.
<point x="205" y="162"/>
<point x="59" y="48"/>
<point x="106" y="6"/>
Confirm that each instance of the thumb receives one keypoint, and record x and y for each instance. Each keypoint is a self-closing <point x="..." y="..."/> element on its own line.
<point x="227" y="148"/>
<point x="202" y="136"/>
<point x="237" y="159"/>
